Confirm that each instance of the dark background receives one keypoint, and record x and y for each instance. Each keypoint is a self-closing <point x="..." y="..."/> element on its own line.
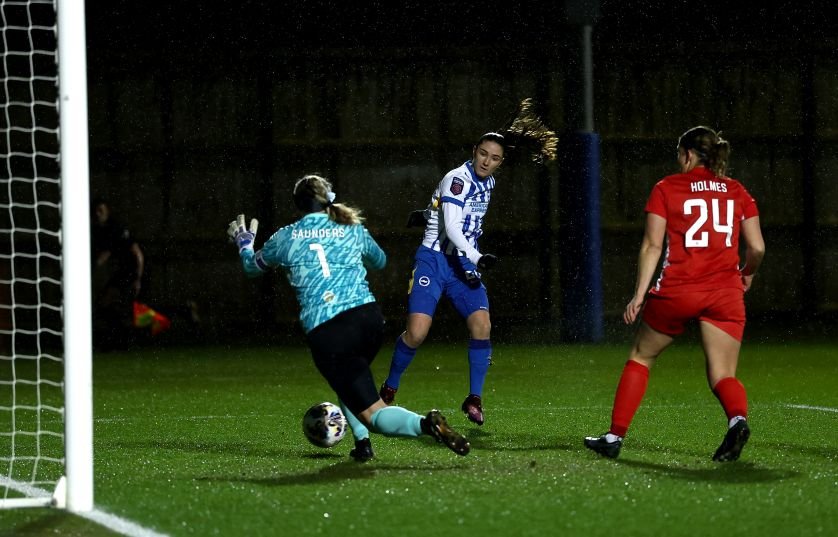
<point x="198" y="113"/>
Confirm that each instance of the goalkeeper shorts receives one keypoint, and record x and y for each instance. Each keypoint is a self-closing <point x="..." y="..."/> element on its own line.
<point x="343" y="349"/>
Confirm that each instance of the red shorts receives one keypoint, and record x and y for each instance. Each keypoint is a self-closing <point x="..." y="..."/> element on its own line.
<point x="724" y="308"/>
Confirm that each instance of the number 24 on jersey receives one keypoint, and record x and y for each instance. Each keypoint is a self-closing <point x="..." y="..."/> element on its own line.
<point x="695" y="238"/>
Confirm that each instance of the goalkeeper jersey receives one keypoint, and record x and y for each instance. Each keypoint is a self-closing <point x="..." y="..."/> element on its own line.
<point x="325" y="262"/>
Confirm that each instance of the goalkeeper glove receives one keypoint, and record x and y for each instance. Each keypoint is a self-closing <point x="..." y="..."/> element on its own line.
<point x="242" y="236"/>
<point x="417" y="218"/>
<point x="487" y="261"/>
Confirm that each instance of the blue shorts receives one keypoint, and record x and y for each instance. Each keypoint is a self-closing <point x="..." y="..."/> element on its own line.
<point x="435" y="274"/>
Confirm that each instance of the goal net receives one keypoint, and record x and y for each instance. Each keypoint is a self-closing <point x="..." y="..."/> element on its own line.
<point x="45" y="400"/>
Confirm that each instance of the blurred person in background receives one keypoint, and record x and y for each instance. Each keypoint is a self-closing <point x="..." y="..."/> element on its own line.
<point x="118" y="267"/>
<point x="697" y="216"/>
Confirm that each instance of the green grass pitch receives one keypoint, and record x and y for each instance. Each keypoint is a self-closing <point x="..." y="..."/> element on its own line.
<point x="208" y="442"/>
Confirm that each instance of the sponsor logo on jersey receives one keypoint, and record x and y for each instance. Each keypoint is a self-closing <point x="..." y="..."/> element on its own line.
<point x="457" y="186"/>
<point x="424" y="281"/>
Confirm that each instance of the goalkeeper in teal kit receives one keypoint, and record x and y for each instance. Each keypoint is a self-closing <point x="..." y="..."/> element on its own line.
<point x="325" y="255"/>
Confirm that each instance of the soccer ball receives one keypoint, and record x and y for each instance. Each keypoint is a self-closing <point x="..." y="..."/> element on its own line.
<point x="324" y="425"/>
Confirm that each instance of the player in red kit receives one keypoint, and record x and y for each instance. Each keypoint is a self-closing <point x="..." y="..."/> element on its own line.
<point x="700" y="213"/>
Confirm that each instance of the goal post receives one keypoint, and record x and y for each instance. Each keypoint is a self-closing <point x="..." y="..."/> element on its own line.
<point x="75" y="222"/>
<point x="46" y="410"/>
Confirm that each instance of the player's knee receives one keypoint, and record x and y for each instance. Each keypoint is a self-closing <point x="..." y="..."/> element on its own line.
<point x="480" y="328"/>
<point x="413" y="337"/>
<point x="643" y="358"/>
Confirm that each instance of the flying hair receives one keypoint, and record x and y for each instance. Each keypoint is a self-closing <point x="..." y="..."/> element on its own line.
<point x="526" y="133"/>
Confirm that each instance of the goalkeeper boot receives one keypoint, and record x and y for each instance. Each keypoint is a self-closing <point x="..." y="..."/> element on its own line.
<point x="473" y="408"/>
<point x="735" y="439"/>
<point x="603" y="446"/>
<point x="387" y="394"/>
<point x="435" y="425"/>
<point x="362" y="452"/>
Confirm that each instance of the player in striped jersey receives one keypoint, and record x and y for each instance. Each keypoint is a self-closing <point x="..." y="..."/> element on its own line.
<point x="699" y="214"/>
<point x="449" y="261"/>
<point x="325" y="255"/>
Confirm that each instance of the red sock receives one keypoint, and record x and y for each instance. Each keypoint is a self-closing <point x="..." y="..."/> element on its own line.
<point x="630" y="392"/>
<point x="732" y="396"/>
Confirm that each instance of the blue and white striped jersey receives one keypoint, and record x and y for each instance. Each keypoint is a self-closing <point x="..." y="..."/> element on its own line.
<point x="456" y="212"/>
<point x="325" y="262"/>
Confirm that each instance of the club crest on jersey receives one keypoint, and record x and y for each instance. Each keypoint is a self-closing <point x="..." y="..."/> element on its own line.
<point x="457" y="186"/>
<point x="424" y="281"/>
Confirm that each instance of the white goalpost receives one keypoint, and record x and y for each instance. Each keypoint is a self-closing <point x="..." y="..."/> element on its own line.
<point x="46" y="404"/>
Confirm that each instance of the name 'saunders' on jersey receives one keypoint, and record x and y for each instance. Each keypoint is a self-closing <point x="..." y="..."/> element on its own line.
<point x="339" y="232"/>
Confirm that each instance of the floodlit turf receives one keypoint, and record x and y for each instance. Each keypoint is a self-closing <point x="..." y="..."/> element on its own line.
<point x="208" y="442"/>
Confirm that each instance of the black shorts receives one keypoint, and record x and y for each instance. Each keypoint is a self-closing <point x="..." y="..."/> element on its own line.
<point x="343" y="349"/>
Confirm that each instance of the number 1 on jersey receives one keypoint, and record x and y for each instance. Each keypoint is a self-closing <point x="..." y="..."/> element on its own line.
<point x="321" y="256"/>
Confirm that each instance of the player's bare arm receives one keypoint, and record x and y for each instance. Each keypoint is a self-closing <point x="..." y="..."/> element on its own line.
<point x="754" y="249"/>
<point x="647" y="261"/>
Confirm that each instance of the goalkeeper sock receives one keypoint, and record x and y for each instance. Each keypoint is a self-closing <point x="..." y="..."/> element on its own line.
<point x="731" y="394"/>
<point x="402" y="356"/>
<point x="359" y="430"/>
<point x="629" y="394"/>
<point x="479" y="358"/>
<point x="397" y="421"/>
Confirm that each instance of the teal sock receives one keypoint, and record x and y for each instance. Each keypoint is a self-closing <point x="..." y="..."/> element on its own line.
<point x="397" y="421"/>
<point x="359" y="430"/>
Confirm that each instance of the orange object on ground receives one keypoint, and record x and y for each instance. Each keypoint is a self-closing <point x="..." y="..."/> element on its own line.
<point x="146" y="316"/>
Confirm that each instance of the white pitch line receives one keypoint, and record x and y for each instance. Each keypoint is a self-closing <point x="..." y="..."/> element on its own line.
<point x="120" y="525"/>
<point x="112" y="522"/>
<point x="807" y="407"/>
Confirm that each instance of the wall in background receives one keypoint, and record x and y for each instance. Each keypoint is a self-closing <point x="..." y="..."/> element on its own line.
<point x="180" y="146"/>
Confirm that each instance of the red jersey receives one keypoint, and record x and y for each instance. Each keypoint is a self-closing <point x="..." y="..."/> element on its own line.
<point x="703" y="215"/>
